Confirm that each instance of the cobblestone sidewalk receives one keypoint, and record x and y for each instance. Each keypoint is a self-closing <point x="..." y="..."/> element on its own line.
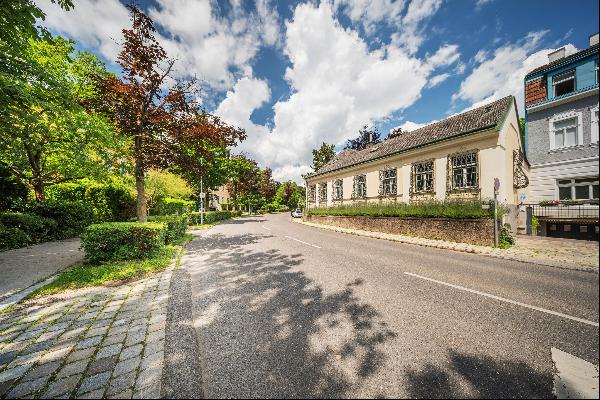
<point x="561" y="253"/>
<point x="99" y="342"/>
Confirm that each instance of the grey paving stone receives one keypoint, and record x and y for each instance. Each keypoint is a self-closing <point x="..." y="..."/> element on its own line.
<point x="35" y="347"/>
<point x="116" y="330"/>
<point x="104" y="322"/>
<point x="96" y="332"/>
<point x="56" y="354"/>
<point x="114" y="339"/>
<point x="102" y="365"/>
<point x="121" y="383"/>
<point x="8" y="357"/>
<point x="153" y="361"/>
<point x="130" y="352"/>
<point x="48" y="336"/>
<point x="94" y="382"/>
<point x="42" y="370"/>
<point x="96" y="394"/>
<point x="59" y="326"/>
<point x="155" y="336"/>
<point x="123" y="395"/>
<point x="135" y="337"/>
<point x="89" y="342"/>
<point x="15" y="346"/>
<point x="157" y="326"/>
<point x="72" y="333"/>
<point x="127" y="366"/>
<point x="29" y="334"/>
<point x="73" y="368"/>
<point x="5" y="387"/>
<point x="6" y="337"/>
<point x="148" y="392"/>
<point x="148" y="377"/>
<point x="27" y="388"/>
<point x="62" y="387"/>
<point x="154" y="347"/>
<point x="81" y="354"/>
<point x="109" y="351"/>
<point x="13" y="373"/>
<point x="27" y="359"/>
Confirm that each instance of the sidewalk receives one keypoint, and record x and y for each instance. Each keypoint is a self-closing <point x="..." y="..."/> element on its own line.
<point x="23" y="267"/>
<point x="100" y="342"/>
<point x="560" y="253"/>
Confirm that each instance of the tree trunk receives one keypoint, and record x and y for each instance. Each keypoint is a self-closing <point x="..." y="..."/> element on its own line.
<point x="38" y="187"/>
<point x="140" y="183"/>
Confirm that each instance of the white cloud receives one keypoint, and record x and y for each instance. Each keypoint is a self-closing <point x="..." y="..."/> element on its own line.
<point x="502" y="73"/>
<point x="371" y="12"/>
<point x="437" y="79"/>
<point x="410" y="34"/>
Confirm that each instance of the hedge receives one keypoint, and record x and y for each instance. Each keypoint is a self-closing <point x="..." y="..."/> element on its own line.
<point x="171" y="206"/>
<point x="211" y="217"/>
<point x="13" y="238"/>
<point x="71" y="217"/>
<point x="123" y="240"/>
<point x="176" y="226"/>
<point x="27" y="228"/>
<point x="434" y="209"/>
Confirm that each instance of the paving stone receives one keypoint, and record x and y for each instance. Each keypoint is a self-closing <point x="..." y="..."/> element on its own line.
<point x="109" y="351"/>
<point x="148" y="392"/>
<point x="15" y="346"/>
<point x="26" y="388"/>
<point x="72" y="333"/>
<point x="89" y="342"/>
<point x="62" y="387"/>
<point x="5" y="387"/>
<point x="127" y="366"/>
<point x="154" y="347"/>
<point x="48" y="336"/>
<point x="81" y="354"/>
<point x="27" y="359"/>
<point x="96" y="332"/>
<point x="7" y="337"/>
<point x="102" y="365"/>
<point x="35" y="347"/>
<point x="155" y="336"/>
<point x="42" y="370"/>
<point x="29" y="334"/>
<point x="132" y="351"/>
<point x="59" y="326"/>
<point x="121" y="383"/>
<point x="94" y="382"/>
<point x="135" y="337"/>
<point x="13" y="373"/>
<point x="116" y="330"/>
<point x="73" y="368"/>
<point x="103" y="323"/>
<point x="96" y="394"/>
<point x="56" y="354"/>
<point x="8" y="357"/>
<point x="114" y="339"/>
<point x="148" y="377"/>
<point x="123" y="395"/>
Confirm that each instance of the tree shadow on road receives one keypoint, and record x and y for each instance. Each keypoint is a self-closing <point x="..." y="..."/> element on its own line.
<point x="273" y="332"/>
<point x="479" y="376"/>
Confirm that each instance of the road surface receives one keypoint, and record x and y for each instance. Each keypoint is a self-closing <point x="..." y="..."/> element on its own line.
<point x="285" y="310"/>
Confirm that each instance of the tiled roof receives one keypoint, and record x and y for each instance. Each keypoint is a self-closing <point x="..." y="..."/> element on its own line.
<point x="566" y="60"/>
<point x="486" y="116"/>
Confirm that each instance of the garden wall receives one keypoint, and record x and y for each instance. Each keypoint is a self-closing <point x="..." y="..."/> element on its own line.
<point x="473" y="231"/>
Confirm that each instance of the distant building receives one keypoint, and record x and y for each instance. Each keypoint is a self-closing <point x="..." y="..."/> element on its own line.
<point x="219" y="199"/>
<point x="457" y="158"/>
<point x="561" y="114"/>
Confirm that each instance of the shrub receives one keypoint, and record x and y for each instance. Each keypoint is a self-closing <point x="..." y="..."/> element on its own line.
<point x="210" y="217"/>
<point x="176" y="226"/>
<point x="71" y="216"/>
<point x="434" y="209"/>
<point x="170" y="206"/>
<point x="505" y="238"/>
<point x="12" y="238"/>
<point x="36" y="228"/>
<point x="15" y="191"/>
<point x="123" y="240"/>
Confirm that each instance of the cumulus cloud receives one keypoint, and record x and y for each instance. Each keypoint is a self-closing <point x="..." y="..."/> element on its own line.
<point x="410" y="35"/>
<point x="437" y="79"/>
<point x="371" y="12"/>
<point x="501" y="73"/>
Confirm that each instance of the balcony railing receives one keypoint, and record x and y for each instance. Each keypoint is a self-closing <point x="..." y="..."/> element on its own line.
<point x="564" y="211"/>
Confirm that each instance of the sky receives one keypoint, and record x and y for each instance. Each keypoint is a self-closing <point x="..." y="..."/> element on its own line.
<point x="295" y="74"/>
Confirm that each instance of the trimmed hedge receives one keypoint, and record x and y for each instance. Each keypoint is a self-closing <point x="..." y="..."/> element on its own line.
<point x="27" y="228"/>
<point x="71" y="217"/>
<point x="210" y="217"/>
<point x="434" y="209"/>
<point x="176" y="226"/>
<point x="13" y="238"/>
<point x="123" y="240"/>
<point x="171" y="206"/>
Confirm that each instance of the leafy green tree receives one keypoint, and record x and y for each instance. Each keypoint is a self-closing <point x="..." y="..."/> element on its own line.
<point x="322" y="155"/>
<point x="290" y="194"/>
<point x="522" y="129"/>
<point x="48" y="136"/>
<point x="366" y="137"/>
<point x="243" y="180"/>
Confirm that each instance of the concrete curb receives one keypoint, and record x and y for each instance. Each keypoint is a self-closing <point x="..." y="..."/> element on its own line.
<point x="461" y="247"/>
<point x="16" y="297"/>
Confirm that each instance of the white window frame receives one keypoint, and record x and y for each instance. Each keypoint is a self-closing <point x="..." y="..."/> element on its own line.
<point x="338" y="189"/>
<point x="562" y="117"/>
<point x="564" y="80"/>
<point x="361" y="186"/>
<point x="594" y="124"/>
<point x="573" y="185"/>
<point x="463" y="167"/>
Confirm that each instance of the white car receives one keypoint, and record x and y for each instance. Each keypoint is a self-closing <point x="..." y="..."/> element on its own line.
<point x="297" y="213"/>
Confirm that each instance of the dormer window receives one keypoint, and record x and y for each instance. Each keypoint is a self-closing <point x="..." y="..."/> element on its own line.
<point x="564" y="83"/>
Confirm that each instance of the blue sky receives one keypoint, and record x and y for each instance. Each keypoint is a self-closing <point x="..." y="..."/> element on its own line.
<point x="295" y="74"/>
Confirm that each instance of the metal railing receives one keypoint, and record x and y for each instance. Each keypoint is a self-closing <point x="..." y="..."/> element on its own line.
<point x="565" y="211"/>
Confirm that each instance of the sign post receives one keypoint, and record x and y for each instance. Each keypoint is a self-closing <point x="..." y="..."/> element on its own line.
<point x="202" y="196"/>
<point x="496" y="189"/>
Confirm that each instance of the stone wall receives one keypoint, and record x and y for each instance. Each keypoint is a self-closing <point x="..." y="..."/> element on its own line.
<point x="473" y="231"/>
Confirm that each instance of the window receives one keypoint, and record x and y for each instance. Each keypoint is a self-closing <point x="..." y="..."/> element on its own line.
<point x="423" y="177"/>
<point x="388" y="182"/>
<point x="578" y="189"/>
<point x="464" y="171"/>
<point x="338" y="189"/>
<point x="565" y="130"/>
<point x="312" y="193"/>
<point x="594" y="122"/>
<point x="583" y="228"/>
<point x="596" y="68"/>
<point x="323" y="192"/>
<point x="564" y="83"/>
<point x="360" y="186"/>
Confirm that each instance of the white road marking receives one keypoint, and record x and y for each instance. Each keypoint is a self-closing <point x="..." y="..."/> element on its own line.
<point x="264" y="227"/>
<point x="544" y="310"/>
<point x="298" y="240"/>
<point x="574" y="378"/>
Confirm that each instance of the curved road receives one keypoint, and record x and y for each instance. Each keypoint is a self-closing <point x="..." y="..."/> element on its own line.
<point x="285" y="310"/>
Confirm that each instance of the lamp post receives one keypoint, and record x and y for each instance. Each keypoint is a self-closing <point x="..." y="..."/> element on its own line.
<point x="201" y="193"/>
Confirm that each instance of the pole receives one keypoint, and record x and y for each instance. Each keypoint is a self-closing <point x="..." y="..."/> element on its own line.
<point x="495" y="219"/>
<point x="201" y="196"/>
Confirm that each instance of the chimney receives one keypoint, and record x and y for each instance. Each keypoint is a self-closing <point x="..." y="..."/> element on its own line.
<point x="556" y="55"/>
<point x="594" y="39"/>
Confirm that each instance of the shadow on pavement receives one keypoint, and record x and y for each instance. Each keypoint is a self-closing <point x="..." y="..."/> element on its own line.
<point x="478" y="376"/>
<point x="272" y="332"/>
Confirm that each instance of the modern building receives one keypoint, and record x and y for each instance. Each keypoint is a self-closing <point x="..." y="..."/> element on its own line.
<point x="561" y="113"/>
<point x="457" y="158"/>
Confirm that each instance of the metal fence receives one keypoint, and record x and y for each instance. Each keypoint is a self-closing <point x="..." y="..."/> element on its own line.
<point x="563" y="211"/>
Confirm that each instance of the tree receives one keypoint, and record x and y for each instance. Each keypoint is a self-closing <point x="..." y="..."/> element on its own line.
<point x="522" y="129"/>
<point x="366" y="137"/>
<point x="322" y="155"/>
<point x="165" y="123"/>
<point x="395" y="132"/>
<point x="243" y="179"/>
<point x="47" y="135"/>
<point x="267" y="187"/>
<point x="290" y="194"/>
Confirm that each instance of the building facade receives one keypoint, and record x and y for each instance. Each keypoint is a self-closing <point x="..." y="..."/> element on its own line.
<point x="561" y="114"/>
<point x="457" y="158"/>
<point x="219" y="199"/>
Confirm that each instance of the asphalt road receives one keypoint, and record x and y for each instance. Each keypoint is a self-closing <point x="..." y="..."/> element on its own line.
<point x="285" y="310"/>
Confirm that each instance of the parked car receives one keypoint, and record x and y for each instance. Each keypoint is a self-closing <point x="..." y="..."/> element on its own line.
<point x="297" y="213"/>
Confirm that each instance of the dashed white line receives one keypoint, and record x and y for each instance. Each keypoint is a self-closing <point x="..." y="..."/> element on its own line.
<point x="491" y="296"/>
<point x="298" y="240"/>
<point x="264" y="227"/>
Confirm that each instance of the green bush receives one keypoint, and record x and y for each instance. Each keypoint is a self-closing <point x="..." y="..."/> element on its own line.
<point x="123" y="240"/>
<point x="505" y="238"/>
<point x="210" y="217"/>
<point x="12" y="238"/>
<point x="171" y="206"/>
<point x="71" y="216"/>
<point x="176" y="226"/>
<point x="37" y="229"/>
<point x="108" y="201"/>
<point x="448" y="209"/>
